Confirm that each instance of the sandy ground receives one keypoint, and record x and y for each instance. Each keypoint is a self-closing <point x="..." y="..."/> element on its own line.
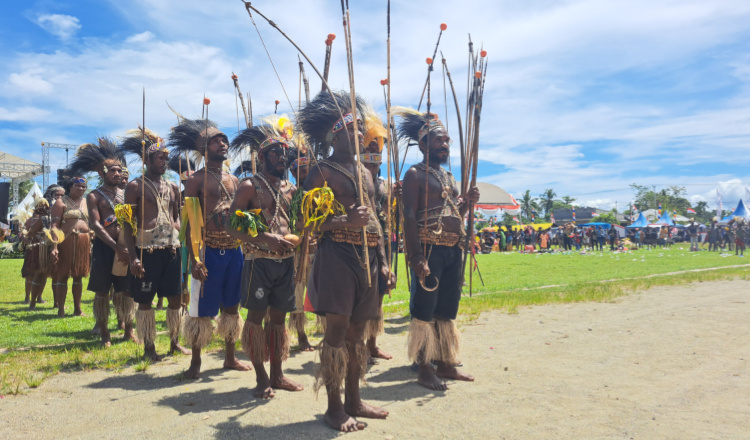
<point x="667" y="363"/>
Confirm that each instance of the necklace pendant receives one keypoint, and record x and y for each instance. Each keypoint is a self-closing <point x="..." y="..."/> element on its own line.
<point x="444" y="194"/>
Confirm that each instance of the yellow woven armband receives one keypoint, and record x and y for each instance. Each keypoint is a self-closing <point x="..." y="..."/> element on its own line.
<point x="124" y="214"/>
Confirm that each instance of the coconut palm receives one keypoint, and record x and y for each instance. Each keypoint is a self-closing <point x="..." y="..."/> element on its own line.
<point x="528" y="204"/>
<point x="547" y="201"/>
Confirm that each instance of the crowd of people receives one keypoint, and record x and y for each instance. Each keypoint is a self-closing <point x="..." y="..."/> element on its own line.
<point x="732" y="236"/>
<point x="221" y="242"/>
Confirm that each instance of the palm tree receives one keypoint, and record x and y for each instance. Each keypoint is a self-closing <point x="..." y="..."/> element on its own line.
<point x="528" y="204"/>
<point x="568" y="200"/>
<point x="547" y="201"/>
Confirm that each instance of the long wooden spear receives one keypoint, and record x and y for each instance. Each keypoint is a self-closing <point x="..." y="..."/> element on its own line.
<point x="248" y="7"/>
<point x="353" y="96"/>
<point x="143" y="173"/>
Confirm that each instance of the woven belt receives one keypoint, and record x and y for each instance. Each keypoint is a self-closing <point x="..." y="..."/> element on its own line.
<point x="353" y="237"/>
<point x="444" y="239"/>
<point x="252" y="251"/>
<point x="221" y="240"/>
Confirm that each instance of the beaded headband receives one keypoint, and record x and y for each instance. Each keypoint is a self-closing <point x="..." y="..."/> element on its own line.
<point x="79" y="180"/>
<point x="371" y="158"/>
<point x="301" y="162"/>
<point x="429" y="126"/>
<point x="271" y="141"/>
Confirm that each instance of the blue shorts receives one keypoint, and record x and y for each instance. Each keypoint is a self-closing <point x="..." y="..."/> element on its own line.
<point x="222" y="288"/>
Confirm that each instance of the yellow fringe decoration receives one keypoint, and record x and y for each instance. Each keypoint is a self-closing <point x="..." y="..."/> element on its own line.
<point x="192" y="214"/>
<point x="318" y="204"/>
<point x="124" y="214"/>
<point x="54" y="235"/>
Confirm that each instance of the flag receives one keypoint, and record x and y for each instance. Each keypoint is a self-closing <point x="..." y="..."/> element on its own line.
<point x="552" y="218"/>
<point x="691" y="211"/>
<point x="515" y="219"/>
<point x="718" y="204"/>
<point x="574" y="212"/>
<point x="593" y="214"/>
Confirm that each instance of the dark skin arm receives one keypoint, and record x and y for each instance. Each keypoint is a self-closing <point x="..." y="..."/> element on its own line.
<point x="92" y="202"/>
<point x="355" y="217"/>
<point x="243" y="201"/>
<point x="133" y="198"/>
<point x="57" y="211"/>
<point x="471" y="196"/>
<point x="410" y="197"/>
<point x="192" y="189"/>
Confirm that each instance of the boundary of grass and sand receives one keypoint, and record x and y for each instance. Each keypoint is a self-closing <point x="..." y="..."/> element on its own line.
<point x="28" y="367"/>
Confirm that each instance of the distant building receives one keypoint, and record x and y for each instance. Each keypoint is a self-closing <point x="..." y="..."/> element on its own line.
<point x="584" y="214"/>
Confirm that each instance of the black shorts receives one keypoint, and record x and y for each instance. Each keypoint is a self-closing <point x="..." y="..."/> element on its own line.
<point x="445" y="264"/>
<point x="268" y="283"/>
<point x="163" y="276"/>
<point x="338" y="284"/>
<point x="101" y="278"/>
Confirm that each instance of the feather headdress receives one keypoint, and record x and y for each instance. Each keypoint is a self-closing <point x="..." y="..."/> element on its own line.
<point x="415" y="125"/>
<point x="193" y="136"/>
<point x="319" y="119"/>
<point x="131" y="143"/>
<point x="374" y="130"/>
<point x="273" y="129"/>
<point x="244" y="168"/>
<point x="181" y="165"/>
<point x="96" y="158"/>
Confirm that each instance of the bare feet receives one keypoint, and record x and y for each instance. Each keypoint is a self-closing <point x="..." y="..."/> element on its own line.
<point x="428" y="379"/>
<point x="236" y="364"/>
<point x="41" y="301"/>
<point x="264" y="390"/>
<point x="380" y="354"/>
<point x="194" y="371"/>
<point x="450" y="372"/>
<point x="106" y="341"/>
<point x="60" y="313"/>
<point x="80" y="313"/>
<point x="341" y="421"/>
<point x="304" y="344"/>
<point x="130" y="335"/>
<point x="32" y="306"/>
<point x="365" y="410"/>
<point x="150" y="354"/>
<point x="96" y="330"/>
<point x="283" y="383"/>
<point x="174" y="347"/>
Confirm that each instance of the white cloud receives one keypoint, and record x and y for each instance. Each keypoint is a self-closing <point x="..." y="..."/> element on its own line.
<point x="59" y="25"/>
<point x="30" y="82"/>
<point x="662" y="86"/>
<point x="143" y="37"/>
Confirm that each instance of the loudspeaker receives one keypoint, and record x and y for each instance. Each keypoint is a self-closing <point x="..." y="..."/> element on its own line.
<point x="4" y="200"/>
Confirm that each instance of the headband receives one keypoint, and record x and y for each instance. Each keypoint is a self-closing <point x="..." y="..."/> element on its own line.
<point x="155" y="148"/>
<point x="341" y="123"/>
<point x="371" y="158"/>
<point x="428" y="127"/>
<point x="301" y="162"/>
<point x="273" y="140"/>
<point x="79" y="180"/>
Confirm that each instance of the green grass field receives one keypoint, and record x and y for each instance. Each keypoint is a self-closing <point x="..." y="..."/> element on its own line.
<point x="37" y="344"/>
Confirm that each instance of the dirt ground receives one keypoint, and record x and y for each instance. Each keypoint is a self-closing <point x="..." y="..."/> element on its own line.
<point x="667" y="363"/>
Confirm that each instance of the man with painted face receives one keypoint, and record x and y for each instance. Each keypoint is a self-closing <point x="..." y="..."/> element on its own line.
<point x="216" y="274"/>
<point x="265" y="198"/>
<point x="338" y="287"/>
<point x="434" y="236"/>
<point x="106" y="160"/>
<point x="152" y="240"/>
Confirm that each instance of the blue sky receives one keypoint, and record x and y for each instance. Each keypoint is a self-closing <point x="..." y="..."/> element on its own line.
<point x="583" y="96"/>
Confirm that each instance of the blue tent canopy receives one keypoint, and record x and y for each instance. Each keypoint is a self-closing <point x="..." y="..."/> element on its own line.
<point x="665" y="219"/>
<point x="641" y="222"/>
<point x="739" y="211"/>
<point x="595" y="224"/>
